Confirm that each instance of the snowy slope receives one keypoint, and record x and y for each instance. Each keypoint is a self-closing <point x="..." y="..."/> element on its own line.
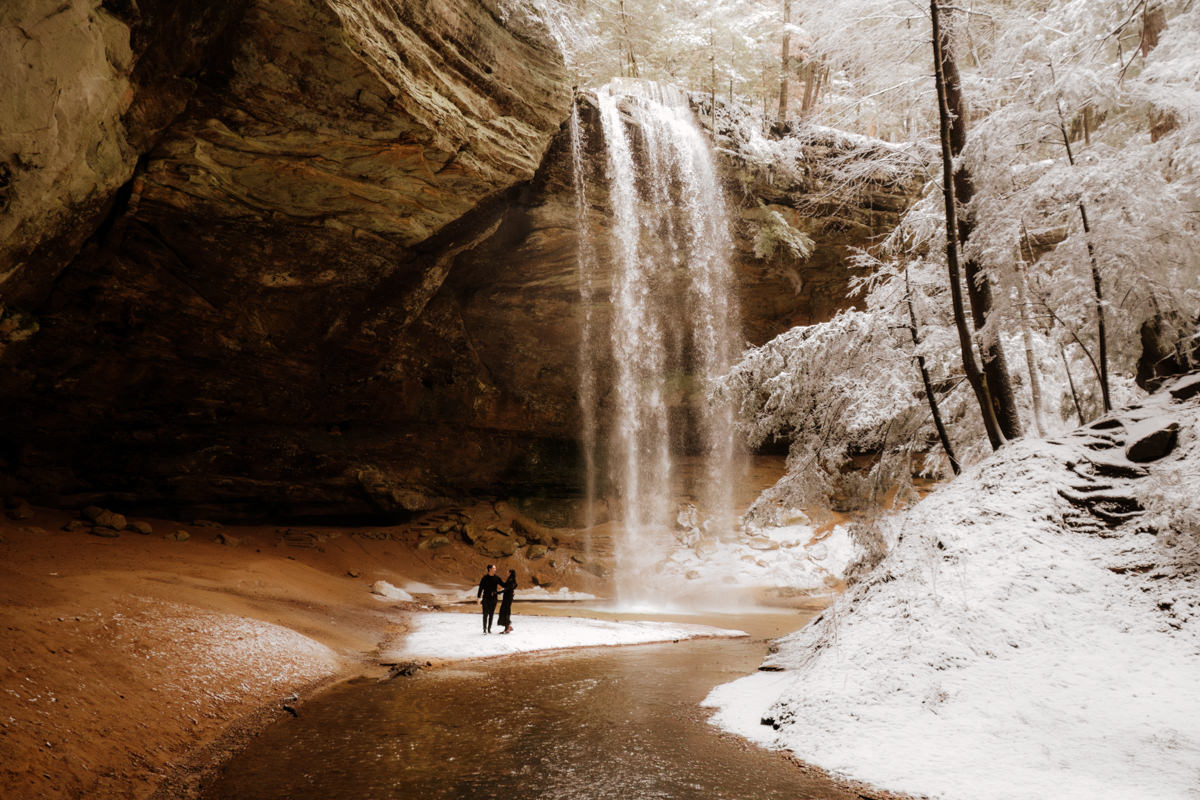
<point x="1013" y="644"/>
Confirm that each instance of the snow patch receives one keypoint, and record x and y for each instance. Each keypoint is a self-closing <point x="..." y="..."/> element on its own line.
<point x="387" y="591"/>
<point x="458" y="636"/>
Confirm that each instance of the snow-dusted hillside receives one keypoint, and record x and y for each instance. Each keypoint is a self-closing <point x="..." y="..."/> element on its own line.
<point x="1034" y="632"/>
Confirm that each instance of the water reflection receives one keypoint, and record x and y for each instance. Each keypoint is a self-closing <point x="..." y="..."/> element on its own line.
<point x="604" y="723"/>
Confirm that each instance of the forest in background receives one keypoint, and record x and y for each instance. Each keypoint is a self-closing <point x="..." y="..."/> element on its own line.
<point x="1055" y="278"/>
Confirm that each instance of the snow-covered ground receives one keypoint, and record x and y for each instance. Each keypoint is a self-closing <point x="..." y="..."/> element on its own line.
<point x="1006" y="648"/>
<point x="457" y="636"/>
<point x="796" y="556"/>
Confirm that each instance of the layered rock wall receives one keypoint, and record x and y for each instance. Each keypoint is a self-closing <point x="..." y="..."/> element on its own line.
<point x="324" y="263"/>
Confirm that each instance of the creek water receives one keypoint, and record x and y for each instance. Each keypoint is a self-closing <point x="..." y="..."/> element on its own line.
<point x="612" y="722"/>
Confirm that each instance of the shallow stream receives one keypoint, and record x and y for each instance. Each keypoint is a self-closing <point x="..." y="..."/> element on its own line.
<point x="612" y="722"/>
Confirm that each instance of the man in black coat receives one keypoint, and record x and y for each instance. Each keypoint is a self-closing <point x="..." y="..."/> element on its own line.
<point x="489" y="587"/>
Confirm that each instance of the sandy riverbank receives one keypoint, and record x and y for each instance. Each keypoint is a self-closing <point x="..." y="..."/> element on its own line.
<point x="129" y="663"/>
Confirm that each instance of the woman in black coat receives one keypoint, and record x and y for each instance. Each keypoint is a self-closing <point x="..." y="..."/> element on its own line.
<point x="510" y="587"/>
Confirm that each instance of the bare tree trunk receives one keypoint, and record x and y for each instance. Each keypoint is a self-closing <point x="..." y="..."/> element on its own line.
<point x="1101" y="335"/>
<point x="810" y="82"/>
<point x="1071" y="382"/>
<point x="975" y="377"/>
<point x="1035" y="382"/>
<point x="933" y="405"/>
<point x="631" y="59"/>
<point x="781" y="117"/>
<point x="979" y="287"/>
<point x="712" y="63"/>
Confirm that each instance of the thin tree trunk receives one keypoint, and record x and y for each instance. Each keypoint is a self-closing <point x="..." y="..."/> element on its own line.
<point x="1101" y="335"/>
<point x="1035" y="383"/>
<point x="1071" y="382"/>
<point x="632" y="61"/>
<point x="933" y="405"/>
<point x="979" y="287"/>
<point x="974" y="375"/>
<point x="781" y="117"/>
<point x="712" y="61"/>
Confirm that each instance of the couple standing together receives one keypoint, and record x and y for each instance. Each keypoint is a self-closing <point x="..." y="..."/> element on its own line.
<point x="490" y="586"/>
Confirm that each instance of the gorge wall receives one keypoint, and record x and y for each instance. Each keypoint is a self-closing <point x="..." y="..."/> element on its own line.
<point x="317" y="257"/>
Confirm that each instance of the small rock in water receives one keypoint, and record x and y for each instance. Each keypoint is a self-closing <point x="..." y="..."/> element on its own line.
<point x="403" y="670"/>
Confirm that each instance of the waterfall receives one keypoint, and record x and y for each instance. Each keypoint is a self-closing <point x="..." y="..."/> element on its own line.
<point x="674" y="324"/>
<point x="586" y="259"/>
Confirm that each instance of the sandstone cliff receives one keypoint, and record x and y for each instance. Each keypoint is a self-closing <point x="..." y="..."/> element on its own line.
<point x="317" y="257"/>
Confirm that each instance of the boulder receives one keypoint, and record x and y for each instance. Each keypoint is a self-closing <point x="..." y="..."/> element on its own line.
<point x="22" y="511"/>
<point x="105" y="532"/>
<point x="227" y="540"/>
<point x="178" y="536"/>
<point x="433" y="542"/>
<point x="111" y="519"/>
<point x="539" y="579"/>
<point x="144" y="528"/>
<point x="497" y="545"/>
<point x="1151" y="439"/>
<point x="75" y="525"/>
<point x="1186" y="387"/>
<point x="536" y="551"/>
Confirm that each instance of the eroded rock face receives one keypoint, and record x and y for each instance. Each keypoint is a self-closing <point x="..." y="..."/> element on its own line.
<point x="259" y="314"/>
<point x="342" y="278"/>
